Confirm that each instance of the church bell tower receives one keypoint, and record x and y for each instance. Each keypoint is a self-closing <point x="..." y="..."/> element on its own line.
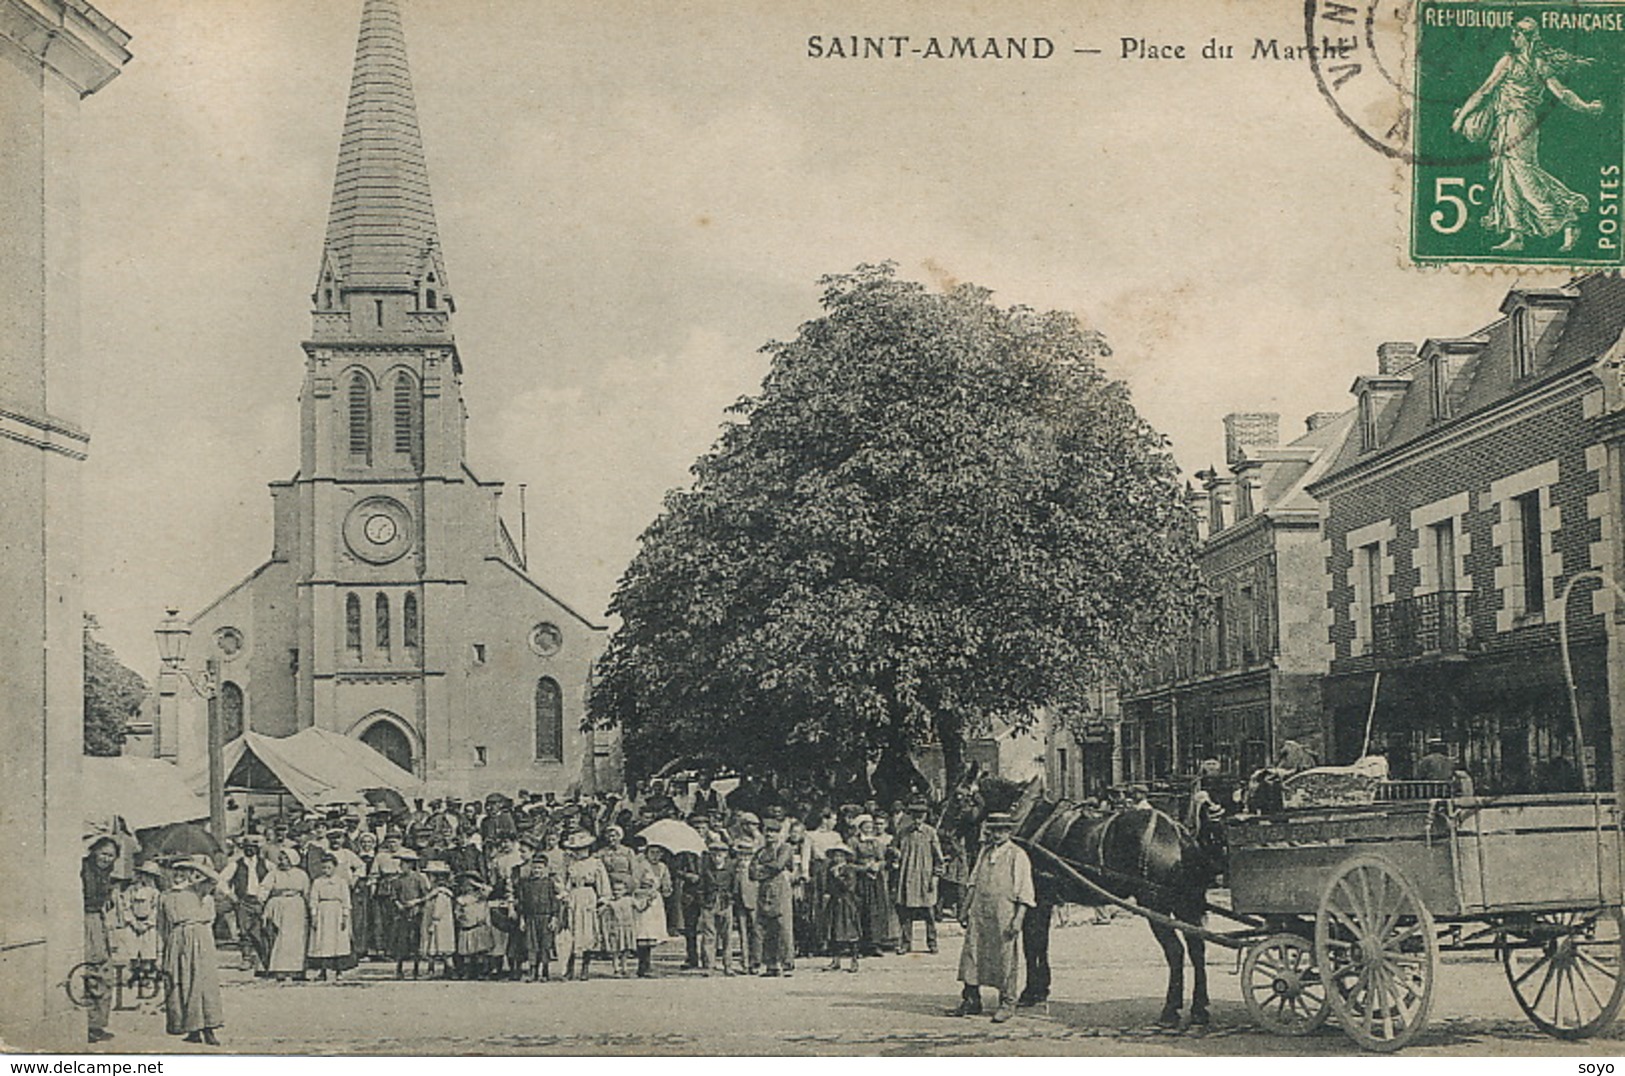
<point x="382" y="418"/>
<point x="396" y="607"/>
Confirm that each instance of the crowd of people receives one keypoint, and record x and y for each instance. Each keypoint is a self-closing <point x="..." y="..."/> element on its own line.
<point x="527" y="888"/>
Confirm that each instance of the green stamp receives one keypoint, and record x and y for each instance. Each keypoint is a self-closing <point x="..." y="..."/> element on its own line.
<point x="1519" y="135"/>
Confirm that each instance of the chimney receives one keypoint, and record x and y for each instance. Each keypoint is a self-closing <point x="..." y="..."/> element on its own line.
<point x="1221" y="499"/>
<point x="1319" y="419"/>
<point x="1261" y="429"/>
<point x="1196" y="503"/>
<point x="1395" y="356"/>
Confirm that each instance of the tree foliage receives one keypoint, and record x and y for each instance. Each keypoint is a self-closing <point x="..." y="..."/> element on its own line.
<point x="936" y="513"/>
<point x="113" y="694"/>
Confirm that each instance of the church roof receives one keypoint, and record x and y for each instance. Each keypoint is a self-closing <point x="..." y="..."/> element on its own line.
<point x="381" y="229"/>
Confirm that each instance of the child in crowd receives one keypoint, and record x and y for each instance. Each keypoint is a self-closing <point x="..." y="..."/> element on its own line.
<point x="141" y="938"/>
<point x="475" y="936"/>
<point x="437" y="938"/>
<point x="841" y="922"/>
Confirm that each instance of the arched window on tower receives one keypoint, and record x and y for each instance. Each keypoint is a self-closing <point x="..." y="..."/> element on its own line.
<point x="380" y="607"/>
<point x="549" y="720"/>
<point x="409" y="623"/>
<point x="352" y="626"/>
<point x="231" y="711"/>
<point x="408" y="417"/>
<point x="360" y="418"/>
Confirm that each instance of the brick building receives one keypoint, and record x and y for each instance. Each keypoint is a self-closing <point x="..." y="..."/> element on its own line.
<point x="1247" y="677"/>
<point x="1477" y="485"/>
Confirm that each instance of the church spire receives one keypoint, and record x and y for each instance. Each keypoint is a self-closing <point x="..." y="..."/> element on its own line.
<point x="381" y="234"/>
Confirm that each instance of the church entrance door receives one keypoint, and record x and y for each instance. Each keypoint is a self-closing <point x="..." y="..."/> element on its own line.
<point x="386" y="738"/>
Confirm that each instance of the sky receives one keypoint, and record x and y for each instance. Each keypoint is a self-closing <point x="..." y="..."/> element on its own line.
<point x="634" y="198"/>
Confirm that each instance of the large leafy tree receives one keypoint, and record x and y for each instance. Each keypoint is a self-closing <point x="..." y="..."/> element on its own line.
<point x="936" y="513"/>
<point x="113" y="694"/>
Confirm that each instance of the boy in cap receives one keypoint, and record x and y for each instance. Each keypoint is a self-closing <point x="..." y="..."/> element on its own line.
<point x="996" y="904"/>
<point x="744" y="908"/>
<point x="716" y="889"/>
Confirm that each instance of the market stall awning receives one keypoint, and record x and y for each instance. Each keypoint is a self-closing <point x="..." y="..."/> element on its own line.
<point x="317" y="767"/>
<point x="143" y="791"/>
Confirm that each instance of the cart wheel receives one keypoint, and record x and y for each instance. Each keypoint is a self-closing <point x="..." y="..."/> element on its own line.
<point x="1375" y="947"/>
<point x="1282" y="986"/>
<point x="1566" y="969"/>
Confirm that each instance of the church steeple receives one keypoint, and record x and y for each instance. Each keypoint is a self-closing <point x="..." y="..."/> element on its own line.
<point x="382" y="247"/>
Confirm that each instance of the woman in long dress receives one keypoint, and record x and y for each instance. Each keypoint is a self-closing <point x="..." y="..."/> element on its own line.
<point x="875" y="911"/>
<point x="1507" y="111"/>
<point x="821" y="837"/>
<point x="192" y="1005"/>
<point x="586" y="887"/>
<point x="648" y="907"/>
<point x="286" y="916"/>
<point x="362" y="930"/>
<point x="329" y="920"/>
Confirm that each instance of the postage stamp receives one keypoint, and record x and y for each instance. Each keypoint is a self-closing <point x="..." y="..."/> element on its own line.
<point x="1518" y="133"/>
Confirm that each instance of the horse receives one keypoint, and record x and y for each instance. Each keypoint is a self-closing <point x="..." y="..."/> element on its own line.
<point x="1139" y="853"/>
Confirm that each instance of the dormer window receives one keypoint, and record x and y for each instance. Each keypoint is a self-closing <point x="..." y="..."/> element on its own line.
<point x="431" y="300"/>
<point x="1523" y="343"/>
<point x="1440" y="378"/>
<point x="1368" y="423"/>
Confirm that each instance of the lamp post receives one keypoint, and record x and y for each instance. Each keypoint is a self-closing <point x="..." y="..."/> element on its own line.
<point x="173" y="634"/>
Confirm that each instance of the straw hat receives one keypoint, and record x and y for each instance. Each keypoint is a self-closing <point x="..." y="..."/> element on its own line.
<point x="200" y="864"/>
<point x="579" y="839"/>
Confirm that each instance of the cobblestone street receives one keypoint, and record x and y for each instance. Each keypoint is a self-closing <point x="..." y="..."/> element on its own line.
<point x="1108" y="982"/>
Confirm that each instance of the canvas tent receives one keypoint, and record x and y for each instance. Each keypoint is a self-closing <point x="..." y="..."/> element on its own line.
<point x="317" y="767"/>
<point x="144" y="792"/>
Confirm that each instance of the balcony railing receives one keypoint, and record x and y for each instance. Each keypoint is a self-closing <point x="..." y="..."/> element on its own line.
<point x="1437" y="623"/>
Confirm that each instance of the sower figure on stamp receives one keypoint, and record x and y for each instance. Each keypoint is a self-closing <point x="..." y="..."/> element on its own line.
<point x="1507" y="110"/>
<point x="995" y="906"/>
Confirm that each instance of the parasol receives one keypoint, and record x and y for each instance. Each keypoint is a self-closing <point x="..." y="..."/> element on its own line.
<point x="387" y="798"/>
<point x="177" y="839"/>
<point x="674" y="836"/>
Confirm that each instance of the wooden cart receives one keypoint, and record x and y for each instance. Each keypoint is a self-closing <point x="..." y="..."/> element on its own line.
<point x="1358" y="902"/>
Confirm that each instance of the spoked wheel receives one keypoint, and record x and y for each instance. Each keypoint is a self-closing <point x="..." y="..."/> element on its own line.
<point x="1375" y="947"/>
<point x="1281" y="985"/>
<point x="1566" y="969"/>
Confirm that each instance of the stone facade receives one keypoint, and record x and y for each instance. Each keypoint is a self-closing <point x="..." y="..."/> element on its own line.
<point x="396" y="606"/>
<point x="1453" y="525"/>
<point x="1246" y="679"/>
<point x="53" y="54"/>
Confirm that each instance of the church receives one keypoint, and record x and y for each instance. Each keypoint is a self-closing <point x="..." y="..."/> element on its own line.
<point x="396" y="606"/>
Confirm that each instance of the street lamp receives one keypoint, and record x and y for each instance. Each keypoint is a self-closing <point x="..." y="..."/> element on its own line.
<point x="173" y="634"/>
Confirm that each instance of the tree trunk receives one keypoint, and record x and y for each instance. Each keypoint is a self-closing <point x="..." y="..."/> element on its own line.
<point x="951" y="735"/>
